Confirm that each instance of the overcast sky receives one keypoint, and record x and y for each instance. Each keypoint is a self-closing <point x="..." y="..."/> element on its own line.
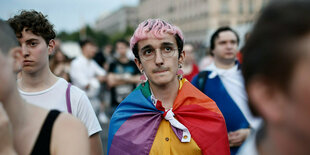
<point x="66" y="15"/>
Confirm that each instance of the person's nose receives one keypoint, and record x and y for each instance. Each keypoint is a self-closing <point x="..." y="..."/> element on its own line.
<point x="25" y="51"/>
<point x="158" y="57"/>
<point x="230" y="45"/>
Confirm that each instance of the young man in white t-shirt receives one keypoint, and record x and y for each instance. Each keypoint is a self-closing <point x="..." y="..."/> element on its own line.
<point x="38" y="85"/>
<point x="88" y="75"/>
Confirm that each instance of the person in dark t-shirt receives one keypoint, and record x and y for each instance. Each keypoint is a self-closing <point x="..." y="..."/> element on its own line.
<point x="123" y="74"/>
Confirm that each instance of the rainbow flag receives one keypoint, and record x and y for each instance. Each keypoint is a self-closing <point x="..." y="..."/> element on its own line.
<point x="136" y="121"/>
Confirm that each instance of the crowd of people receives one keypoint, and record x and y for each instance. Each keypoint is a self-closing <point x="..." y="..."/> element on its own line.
<point x="153" y="94"/>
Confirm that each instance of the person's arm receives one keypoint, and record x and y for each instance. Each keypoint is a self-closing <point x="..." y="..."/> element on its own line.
<point x="6" y="142"/>
<point x="69" y="136"/>
<point x="134" y="79"/>
<point x="95" y="144"/>
<point x="236" y="138"/>
<point x="100" y="72"/>
<point x="120" y="79"/>
<point x="86" y="114"/>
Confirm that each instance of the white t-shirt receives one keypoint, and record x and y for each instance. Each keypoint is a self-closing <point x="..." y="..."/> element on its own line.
<point x="233" y="82"/>
<point x="55" y="98"/>
<point x="83" y="72"/>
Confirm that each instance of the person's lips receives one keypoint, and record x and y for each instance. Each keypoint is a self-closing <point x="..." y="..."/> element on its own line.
<point x="27" y="62"/>
<point x="160" y="70"/>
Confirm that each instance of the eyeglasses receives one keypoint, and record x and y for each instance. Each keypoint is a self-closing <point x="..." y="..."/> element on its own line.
<point x="149" y="53"/>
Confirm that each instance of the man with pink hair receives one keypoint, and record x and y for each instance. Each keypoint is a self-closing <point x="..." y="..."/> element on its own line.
<point x="166" y="114"/>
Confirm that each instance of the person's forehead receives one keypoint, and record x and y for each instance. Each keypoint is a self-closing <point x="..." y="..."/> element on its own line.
<point x="157" y="42"/>
<point x="28" y="34"/>
<point x="227" y="35"/>
<point x="122" y="44"/>
<point x="90" y="44"/>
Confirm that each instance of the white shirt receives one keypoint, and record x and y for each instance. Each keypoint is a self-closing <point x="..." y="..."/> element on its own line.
<point x="83" y="72"/>
<point x="55" y="98"/>
<point x="234" y="84"/>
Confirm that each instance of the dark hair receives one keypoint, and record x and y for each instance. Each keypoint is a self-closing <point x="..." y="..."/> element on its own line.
<point x="271" y="52"/>
<point x="8" y="39"/>
<point x="216" y="34"/>
<point x="123" y="41"/>
<point x="178" y="39"/>
<point x="34" y="21"/>
<point x="82" y="43"/>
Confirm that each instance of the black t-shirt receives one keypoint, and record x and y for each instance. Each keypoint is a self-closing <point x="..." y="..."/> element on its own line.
<point x="99" y="58"/>
<point x="120" y="92"/>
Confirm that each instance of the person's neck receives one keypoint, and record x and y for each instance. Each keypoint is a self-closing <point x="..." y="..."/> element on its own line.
<point x="279" y="141"/>
<point x="166" y="93"/>
<point x="224" y="64"/>
<point x="33" y="82"/>
<point x="86" y="57"/>
<point x="123" y="59"/>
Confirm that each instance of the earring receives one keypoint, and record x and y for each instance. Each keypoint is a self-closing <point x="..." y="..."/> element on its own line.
<point x="142" y="77"/>
<point x="180" y="72"/>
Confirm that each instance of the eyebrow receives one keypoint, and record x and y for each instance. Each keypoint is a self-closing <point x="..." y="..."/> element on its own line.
<point x="32" y="39"/>
<point x="163" y="44"/>
<point x="146" y="47"/>
<point x="167" y="44"/>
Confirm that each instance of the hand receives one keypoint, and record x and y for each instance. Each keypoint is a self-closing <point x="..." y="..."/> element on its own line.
<point x="6" y="143"/>
<point x="236" y="138"/>
<point x="102" y="78"/>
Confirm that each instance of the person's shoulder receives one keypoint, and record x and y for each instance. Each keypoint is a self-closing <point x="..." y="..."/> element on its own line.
<point x="113" y="65"/>
<point x="69" y="130"/>
<point x="114" y="62"/>
<point x="76" y="60"/>
<point x="75" y="91"/>
<point x="67" y="123"/>
<point x="200" y="75"/>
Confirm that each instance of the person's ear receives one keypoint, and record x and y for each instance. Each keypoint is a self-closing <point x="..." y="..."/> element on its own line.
<point x="139" y="64"/>
<point x="182" y="57"/>
<point x="18" y="58"/>
<point x="267" y="100"/>
<point x="51" y="46"/>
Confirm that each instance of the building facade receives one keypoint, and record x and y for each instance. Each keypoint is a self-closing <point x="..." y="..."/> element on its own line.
<point x="197" y="18"/>
<point x="118" y="20"/>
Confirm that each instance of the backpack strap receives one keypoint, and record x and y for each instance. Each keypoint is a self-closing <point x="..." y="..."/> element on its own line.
<point x="202" y="79"/>
<point x="68" y="101"/>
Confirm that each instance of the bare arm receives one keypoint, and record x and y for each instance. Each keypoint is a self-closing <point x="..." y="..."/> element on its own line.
<point x="237" y="137"/>
<point x="95" y="144"/>
<point x="69" y="136"/>
<point x="6" y="143"/>
<point x="120" y="79"/>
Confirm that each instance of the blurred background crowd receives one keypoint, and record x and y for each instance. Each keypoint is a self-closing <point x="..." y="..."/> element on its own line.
<point x="105" y="40"/>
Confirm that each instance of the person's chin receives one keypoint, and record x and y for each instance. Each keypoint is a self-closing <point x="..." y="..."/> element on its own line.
<point x="28" y="69"/>
<point x="160" y="81"/>
<point x="230" y="55"/>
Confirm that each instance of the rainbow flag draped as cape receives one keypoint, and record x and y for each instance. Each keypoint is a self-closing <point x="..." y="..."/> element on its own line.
<point x="135" y="122"/>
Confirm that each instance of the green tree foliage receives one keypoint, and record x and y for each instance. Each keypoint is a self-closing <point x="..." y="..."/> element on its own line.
<point x="100" y="37"/>
<point x="122" y="35"/>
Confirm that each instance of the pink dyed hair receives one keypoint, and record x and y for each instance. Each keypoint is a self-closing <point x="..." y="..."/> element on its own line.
<point x="156" y="28"/>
